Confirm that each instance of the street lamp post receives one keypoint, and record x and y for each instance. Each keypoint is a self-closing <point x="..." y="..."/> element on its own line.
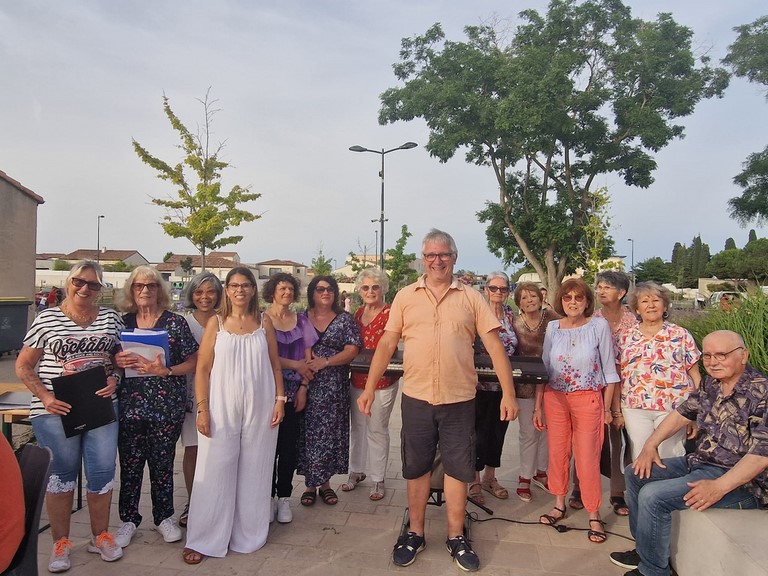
<point x="383" y="152"/>
<point x="632" y="260"/>
<point x="98" y="236"/>
<point x="376" y="244"/>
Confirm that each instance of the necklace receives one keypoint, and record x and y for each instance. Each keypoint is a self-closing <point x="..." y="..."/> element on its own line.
<point x="538" y="326"/>
<point x="86" y="318"/>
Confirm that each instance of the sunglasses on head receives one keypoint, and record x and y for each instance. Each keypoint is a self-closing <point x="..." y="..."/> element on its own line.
<point x="79" y="283"/>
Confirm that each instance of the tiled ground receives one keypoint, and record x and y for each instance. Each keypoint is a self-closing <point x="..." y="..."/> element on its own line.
<point x="356" y="536"/>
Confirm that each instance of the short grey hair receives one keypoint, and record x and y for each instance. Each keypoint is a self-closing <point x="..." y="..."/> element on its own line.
<point x="197" y="281"/>
<point x="497" y="274"/>
<point x="87" y="265"/>
<point x="440" y="237"/>
<point x="374" y="274"/>
<point x="647" y="288"/>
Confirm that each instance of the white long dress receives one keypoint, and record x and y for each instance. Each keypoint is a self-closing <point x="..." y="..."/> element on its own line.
<point x="230" y="503"/>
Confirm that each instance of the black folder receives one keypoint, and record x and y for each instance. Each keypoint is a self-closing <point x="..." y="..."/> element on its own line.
<point x="88" y="410"/>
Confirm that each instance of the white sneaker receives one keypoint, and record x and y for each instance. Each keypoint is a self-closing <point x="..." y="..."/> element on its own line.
<point x="272" y="509"/>
<point x="125" y="534"/>
<point x="169" y="529"/>
<point x="59" y="561"/>
<point x="284" y="514"/>
<point x="105" y="545"/>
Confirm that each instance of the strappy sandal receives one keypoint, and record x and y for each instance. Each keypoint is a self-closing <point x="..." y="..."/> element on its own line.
<point x="524" y="489"/>
<point x="620" y="507"/>
<point x="377" y="491"/>
<point x="552" y="520"/>
<point x="329" y="496"/>
<point x="476" y="493"/>
<point x="575" y="501"/>
<point x="495" y="488"/>
<point x="192" y="556"/>
<point x="354" y="479"/>
<point x="308" y="498"/>
<point x="597" y="536"/>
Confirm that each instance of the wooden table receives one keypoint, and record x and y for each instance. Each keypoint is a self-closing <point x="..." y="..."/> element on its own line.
<point x="14" y="416"/>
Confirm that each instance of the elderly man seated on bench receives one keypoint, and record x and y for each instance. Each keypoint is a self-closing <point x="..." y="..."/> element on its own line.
<point x="726" y="470"/>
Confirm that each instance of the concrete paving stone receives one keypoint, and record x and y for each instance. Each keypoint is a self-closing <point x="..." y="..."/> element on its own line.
<point x="373" y="521"/>
<point x="577" y="561"/>
<point x="355" y="538"/>
<point x="296" y="534"/>
<point x="286" y="567"/>
<point x="493" y="553"/>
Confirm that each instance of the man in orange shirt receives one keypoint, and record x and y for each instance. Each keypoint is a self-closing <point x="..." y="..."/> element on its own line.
<point x="438" y="318"/>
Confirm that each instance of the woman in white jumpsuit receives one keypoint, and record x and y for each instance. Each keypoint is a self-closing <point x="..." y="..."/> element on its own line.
<point x="240" y="402"/>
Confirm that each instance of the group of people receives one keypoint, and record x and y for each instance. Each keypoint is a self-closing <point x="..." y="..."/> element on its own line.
<point x="259" y="396"/>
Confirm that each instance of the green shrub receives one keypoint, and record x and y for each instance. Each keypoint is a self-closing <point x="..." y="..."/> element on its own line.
<point x="749" y="319"/>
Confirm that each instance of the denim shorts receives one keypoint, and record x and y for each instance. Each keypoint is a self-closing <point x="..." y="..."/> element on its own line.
<point x="96" y="449"/>
<point x="425" y="425"/>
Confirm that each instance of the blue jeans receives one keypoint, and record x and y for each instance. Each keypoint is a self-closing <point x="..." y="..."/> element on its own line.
<point x="96" y="449"/>
<point x="652" y="500"/>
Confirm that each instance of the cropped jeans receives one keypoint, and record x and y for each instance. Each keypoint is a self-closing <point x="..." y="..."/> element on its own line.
<point x="95" y="449"/>
<point x="652" y="500"/>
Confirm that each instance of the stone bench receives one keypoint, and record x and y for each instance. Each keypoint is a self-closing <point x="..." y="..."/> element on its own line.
<point x="720" y="542"/>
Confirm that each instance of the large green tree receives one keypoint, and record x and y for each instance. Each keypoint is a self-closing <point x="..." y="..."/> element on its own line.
<point x="200" y="212"/>
<point x="748" y="57"/>
<point x="653" y="270"/>
<point x="582" y="91"/>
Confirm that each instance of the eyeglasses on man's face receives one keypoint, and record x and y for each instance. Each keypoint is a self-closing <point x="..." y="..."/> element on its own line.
<point x="151" y="286"/>
<point x="79" y="283"/>
<point x="494" y="289"/>
<point x="432" y="256"/>
<point x="719" y="356"/>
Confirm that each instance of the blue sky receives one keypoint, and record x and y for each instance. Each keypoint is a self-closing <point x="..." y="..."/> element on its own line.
<point x="297" y="84"/>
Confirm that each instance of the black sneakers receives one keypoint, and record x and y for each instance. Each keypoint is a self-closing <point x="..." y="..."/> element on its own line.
<point x="406" y="549"/>
<point x="462" y="554"/>
<point x="629" y="559"/>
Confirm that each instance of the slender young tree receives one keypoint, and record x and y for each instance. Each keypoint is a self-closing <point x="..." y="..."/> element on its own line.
<point x="199" y="212"/>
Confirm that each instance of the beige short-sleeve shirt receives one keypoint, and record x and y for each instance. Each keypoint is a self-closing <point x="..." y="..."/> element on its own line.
<point x="438" y="358"/>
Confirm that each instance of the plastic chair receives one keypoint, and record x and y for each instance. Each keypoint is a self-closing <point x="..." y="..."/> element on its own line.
<point x="35" y="463"/>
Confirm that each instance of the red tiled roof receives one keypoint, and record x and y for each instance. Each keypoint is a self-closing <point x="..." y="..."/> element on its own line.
<point x="36" y="197"/>
<point x="117" y="255"/>
<point x="282" y="263"/>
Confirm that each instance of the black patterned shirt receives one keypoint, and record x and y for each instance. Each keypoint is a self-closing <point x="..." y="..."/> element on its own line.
<point x="730" y="427"/>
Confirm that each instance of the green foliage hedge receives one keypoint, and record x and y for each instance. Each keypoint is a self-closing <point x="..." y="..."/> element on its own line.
<point x="749" y="319"/>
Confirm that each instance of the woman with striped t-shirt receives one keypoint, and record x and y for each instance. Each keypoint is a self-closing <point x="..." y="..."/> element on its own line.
<point x="72" y="337"/>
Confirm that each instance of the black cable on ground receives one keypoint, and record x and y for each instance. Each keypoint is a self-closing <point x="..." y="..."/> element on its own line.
<point x="562" y="528"/>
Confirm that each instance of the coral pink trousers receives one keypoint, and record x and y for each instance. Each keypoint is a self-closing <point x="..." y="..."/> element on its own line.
<point x="575" y="424"/>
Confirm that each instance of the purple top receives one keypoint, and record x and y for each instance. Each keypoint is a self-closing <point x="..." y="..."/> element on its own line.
<point x="292" y="345"/>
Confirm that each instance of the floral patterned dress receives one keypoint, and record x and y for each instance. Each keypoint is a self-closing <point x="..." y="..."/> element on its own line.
<point x="324" y="432"/>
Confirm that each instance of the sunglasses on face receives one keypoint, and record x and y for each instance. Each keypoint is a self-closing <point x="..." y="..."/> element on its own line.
<point x="323" y="289"/>
<point x="374" y="287"/>
<point x="576" y="297"/>
<point x="139" y="286"/>
<point x="502" y="289"/>
<point x="79" y="283"/>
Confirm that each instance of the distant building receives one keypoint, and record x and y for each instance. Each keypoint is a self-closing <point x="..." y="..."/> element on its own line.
<point x="18" y="238"/>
